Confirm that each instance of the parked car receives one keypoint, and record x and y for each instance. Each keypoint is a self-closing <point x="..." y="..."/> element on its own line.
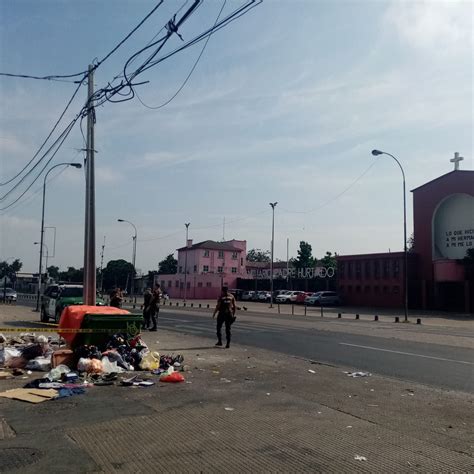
<point x="8" y="293"/>
<point x="301" y="297"/>
<point x="288" y="297"/>
<point x="247" y="295"/>
<point x="57" y="297"/>
<point x="323" y="298"/>
<point x="264" y="296"/>
<point x="237" y="293"/>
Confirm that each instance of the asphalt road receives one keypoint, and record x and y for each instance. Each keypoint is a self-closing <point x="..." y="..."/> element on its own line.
<point x="437" y="365"/>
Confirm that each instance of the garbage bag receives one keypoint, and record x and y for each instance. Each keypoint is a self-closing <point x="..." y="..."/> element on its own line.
<point x="174" y="377"/>
<point x="150" y="361"/>
<point x="110" y="367"/>
<point x="84" y="364"/>
<point x="56" y="373"/>
<point x="39" y="363"/>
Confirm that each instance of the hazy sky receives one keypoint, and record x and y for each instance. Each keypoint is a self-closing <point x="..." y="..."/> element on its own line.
<point x="285" y="105"/>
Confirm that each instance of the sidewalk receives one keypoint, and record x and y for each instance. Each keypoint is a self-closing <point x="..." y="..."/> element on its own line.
<point x="243" y="410"/>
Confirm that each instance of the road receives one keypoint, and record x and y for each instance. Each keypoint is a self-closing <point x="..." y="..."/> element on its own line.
<point x="433" y="364"/>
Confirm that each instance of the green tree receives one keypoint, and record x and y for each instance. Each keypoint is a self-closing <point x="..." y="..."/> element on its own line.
<point x="72" y="275"/>
<point x="305" y="256"/>
<point x="257" y="255"/>
<point x="168" y="266"/>
<point x="8" y="270"/>
<point x="53" y="272"/>
<point x="118" y="273"/>
<point x="328" y="261"/>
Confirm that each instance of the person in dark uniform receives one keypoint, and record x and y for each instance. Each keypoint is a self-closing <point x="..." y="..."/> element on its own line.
<point x="146" y="308"/>
<point x="154" y="306"/>
<point x="225" y="310"/>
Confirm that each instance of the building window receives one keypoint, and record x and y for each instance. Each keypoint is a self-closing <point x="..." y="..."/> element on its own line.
<point x="220" y="254"/>
<point x="350" y="265"/>
<point x="376" y="269"/>
<point x="386" y="269"/>
<point x="199" y="284"/>
<point x="163" y="283"/>
<point x="234" y="255"/>
<point x="358" y="270"/>
<point x="208" y="284"/>
<point x="341" y="270"/>
<point x="368" y="273"/>
<point x="181" y="285"/>
<point x="176" y="284"/>
<point x="180" y="269"/>
<point x="234" y="270"/>
<point x="169" y="283"/>
<point x="205" y="268"/>
<point x="195" y="268"/>
<point x="241" y="261"/>
<point x="396" y="290"/>
<point x="188" y="285"/>
<point x="396" y="268"/>
<point x="367" y="289"/>
<point x="206" y="253"/>
<point x="220" y="269"/>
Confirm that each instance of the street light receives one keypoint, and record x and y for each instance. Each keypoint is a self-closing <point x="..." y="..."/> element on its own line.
<point x="405" y="269"/>
<point x="186" y="262"/>
<point x="134" y="255"/>
<point x="41" y="243"/>
<point x="273" y="205"/>
<point x="47" y="252"/>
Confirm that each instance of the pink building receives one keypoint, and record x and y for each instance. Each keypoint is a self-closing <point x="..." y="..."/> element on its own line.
<point x="203" y="268"/>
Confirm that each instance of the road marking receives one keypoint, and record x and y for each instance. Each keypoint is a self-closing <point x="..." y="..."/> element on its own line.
<point x="407" y="353"/>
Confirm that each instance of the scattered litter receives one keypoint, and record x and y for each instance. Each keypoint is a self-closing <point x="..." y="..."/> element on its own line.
<point x="268" y="393"/>
<point x="311" y="371"/>
<point x="349" y="426"/>
<point x="372" y="390"/>
<point x="225" y="380"/>
<point x="358" y="374"/>
<point x="360" y="458"/>
<point x="5" y="375"/>
<point x="31" y="395"/>
<point x="215" y="372"/>
<point x="372" y="405"/>
<point x="319" y="412"/>
<point x="229" y="409"/>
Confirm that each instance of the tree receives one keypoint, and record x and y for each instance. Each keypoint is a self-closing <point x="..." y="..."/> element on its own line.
<point x="257" y="255"/>
<point x="305" y="258"/>
<point x="168" y="266"/>
<point x="72" y="275"/>
<point x="53" y="272"/>
<point x="328" y="261"/>
<point x="118" y="273"/>
<point x="8" y="270"/>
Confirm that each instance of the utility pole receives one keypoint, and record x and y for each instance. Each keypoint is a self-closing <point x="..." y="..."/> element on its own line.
<point x="89" y="224"/>
<point x="186" y="263"/>
<point x="273" y="205"/>
<point x="287" y="261"/>
<point x="102" y="268"/>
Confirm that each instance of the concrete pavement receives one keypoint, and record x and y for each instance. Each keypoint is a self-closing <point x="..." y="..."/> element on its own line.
<point x="243" y="410"/>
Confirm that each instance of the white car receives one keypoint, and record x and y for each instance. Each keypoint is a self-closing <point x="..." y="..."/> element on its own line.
<point x="264" y="296"/>
<point x="247" y="295"/>
<point x="288" y="297"/>
<point x="323" y="298"/>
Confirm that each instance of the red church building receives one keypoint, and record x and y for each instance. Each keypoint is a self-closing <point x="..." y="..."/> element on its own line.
<point x="443" y="215"/>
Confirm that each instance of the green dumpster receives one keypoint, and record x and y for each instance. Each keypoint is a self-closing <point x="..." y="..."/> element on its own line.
<point x="106" y="325"/>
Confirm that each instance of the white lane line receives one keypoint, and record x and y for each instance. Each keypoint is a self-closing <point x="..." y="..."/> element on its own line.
<point x="407" y="353"/>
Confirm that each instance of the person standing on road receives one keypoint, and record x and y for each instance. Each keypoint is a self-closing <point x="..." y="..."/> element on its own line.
<point x="225" y="310"/>
<point x="146" y="308"/>
<point x="154" y="307"/>
<point x="116" y="298"/>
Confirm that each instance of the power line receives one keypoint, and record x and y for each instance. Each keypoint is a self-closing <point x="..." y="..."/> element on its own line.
<point x="190" y="72"/>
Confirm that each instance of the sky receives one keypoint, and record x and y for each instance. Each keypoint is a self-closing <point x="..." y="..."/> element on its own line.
<point x="285" y="104"/>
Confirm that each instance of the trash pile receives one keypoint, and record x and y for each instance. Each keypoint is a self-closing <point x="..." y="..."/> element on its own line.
<point x="70" y="372"/>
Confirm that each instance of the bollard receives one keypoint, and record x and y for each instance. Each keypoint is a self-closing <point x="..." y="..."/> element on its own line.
<point x="292" y="309"/>
<point x="418" y="321"/>
<point x="278" y="308"/>
<point x="322" y="313"/>
<point x="133" y="306"/>
<point x="397" y="319"/>
<point x="208" y="306"/>
<point x="199" y="304"/>
<point x="376" y="318"/>
<point x="191" y="305"/>
<point x="184" y="304"/>
<point x="339" y="315"/>
<point x="171" y="304"/>
<point x="305" y="309"/>
<point x="177" y="304"/>
<point x="357" y="316"/>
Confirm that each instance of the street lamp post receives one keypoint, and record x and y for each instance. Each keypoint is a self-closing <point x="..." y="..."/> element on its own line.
<point x="134" y="256"/>
<point x="186" y="263"/>
<point x="273" y="205"/>
<point x="405" y="266"/>
<point x="41" y="243"/>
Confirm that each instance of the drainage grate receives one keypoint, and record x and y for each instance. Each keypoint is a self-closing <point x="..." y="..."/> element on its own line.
<point x="14" y="458"/>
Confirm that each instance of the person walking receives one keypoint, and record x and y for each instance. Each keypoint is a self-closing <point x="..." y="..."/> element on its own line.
<point x="147" y="296"/>
<point x="225" y="310"/>
<point x="116" y="298"/>
<point x="154" y="307"/>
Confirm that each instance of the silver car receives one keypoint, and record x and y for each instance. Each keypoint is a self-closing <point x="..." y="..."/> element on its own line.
<point x="9" y="294"/>
<point x="323" y="298"/>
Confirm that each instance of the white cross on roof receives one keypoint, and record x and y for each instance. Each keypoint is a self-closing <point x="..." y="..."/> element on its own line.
<point x="456" y="160"/>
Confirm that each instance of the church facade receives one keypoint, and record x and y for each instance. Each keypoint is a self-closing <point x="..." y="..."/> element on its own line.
<point x="443" y="215"/>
